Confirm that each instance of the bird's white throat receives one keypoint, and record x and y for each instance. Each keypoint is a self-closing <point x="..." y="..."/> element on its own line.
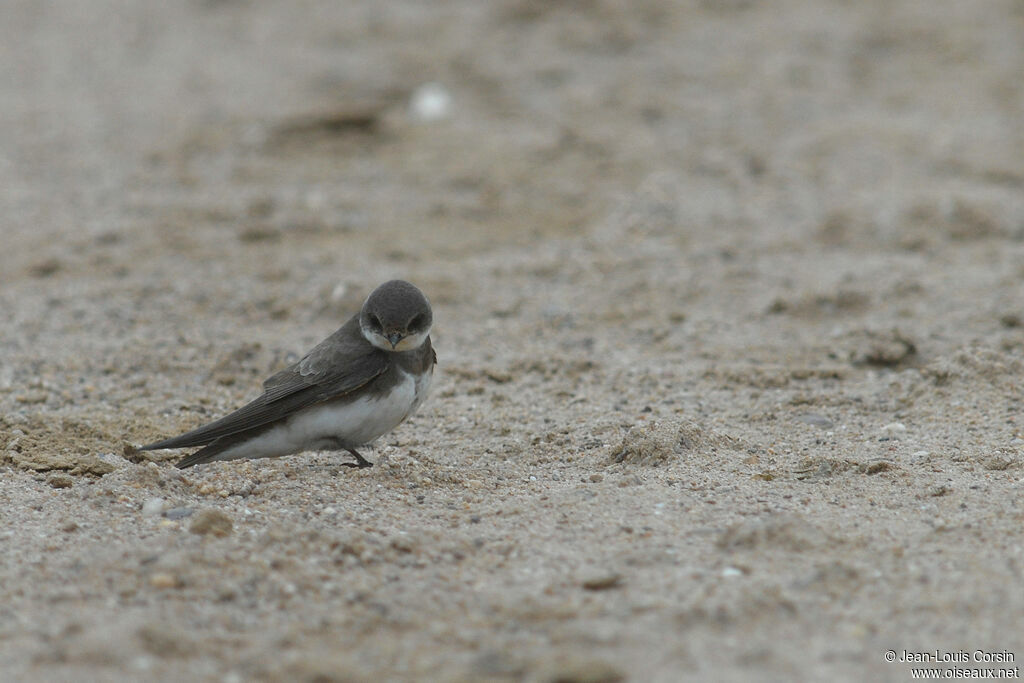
<point x="413" y="341"/>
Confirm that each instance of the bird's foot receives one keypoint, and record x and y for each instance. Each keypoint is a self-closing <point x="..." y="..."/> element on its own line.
<point x="360" y="462"/>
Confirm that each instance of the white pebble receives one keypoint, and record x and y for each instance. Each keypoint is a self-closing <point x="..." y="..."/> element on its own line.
<point x="430" y="102"/>
<point x="339" y="292"/>
<point x="154" y="507"/>
<point x="142" y="663"/>
<point x="894" y="428"/>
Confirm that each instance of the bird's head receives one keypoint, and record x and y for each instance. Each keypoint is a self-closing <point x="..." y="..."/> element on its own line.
<point x="396" y="317"/>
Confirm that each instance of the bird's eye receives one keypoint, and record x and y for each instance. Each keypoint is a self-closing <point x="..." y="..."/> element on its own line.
<point x="417" y="322"/>
<point x="375" y="323"/>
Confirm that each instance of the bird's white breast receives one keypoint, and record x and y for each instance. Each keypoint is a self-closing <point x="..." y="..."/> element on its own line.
<point x="357" y="422"/>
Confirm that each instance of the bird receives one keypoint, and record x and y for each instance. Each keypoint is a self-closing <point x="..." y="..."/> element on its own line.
<point x="353" y="387"/>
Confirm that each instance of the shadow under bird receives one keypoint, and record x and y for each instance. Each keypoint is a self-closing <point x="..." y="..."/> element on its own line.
<point x="353" y="387"/>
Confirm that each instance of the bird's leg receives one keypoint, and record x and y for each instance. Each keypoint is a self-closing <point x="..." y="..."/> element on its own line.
<point x="360" y="462"/>
<point x="336" y="444"/>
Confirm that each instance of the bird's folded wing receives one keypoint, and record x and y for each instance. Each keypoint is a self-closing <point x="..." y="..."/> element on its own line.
<point x="320" y="376"/>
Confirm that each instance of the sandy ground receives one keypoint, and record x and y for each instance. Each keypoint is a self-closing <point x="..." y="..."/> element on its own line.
<point x="728" y="307"/>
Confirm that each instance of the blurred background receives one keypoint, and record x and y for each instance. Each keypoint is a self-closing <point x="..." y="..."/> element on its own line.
<point x="216" y="126"/>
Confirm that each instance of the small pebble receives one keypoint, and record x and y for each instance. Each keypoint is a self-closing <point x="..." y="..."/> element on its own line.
<point x="142" y="663"/>
<point x="596" y="477"/>
<point x="602" y="582"/>
<point x="1010" y="320"/>
<point x="153" y="507"/>
<point x="60" y="481"/>
<point x="580" y="670"/>
<point x="115" y="462"/>
<point x="430" y="102"/>
<point x="876" y="467"/>
<point x="996" y="462"/>
<point x="213" y="522"/>
<point x="894" y="428"/>
<point x="178" y="513"/>
<point x="164" y="580"/>
<point x="815" y="420"/>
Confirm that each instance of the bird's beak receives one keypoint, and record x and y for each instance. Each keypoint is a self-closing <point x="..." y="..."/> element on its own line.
<point x="395" y="338"/>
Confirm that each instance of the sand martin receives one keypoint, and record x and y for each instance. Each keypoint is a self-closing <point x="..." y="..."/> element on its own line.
<point x="354" y="386"/>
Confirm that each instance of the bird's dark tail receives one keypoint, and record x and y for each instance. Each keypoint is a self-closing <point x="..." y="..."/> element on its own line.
<point x="208" y="453"/>
<point x="184" y="441"/>
<point x="214" y="448"/>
